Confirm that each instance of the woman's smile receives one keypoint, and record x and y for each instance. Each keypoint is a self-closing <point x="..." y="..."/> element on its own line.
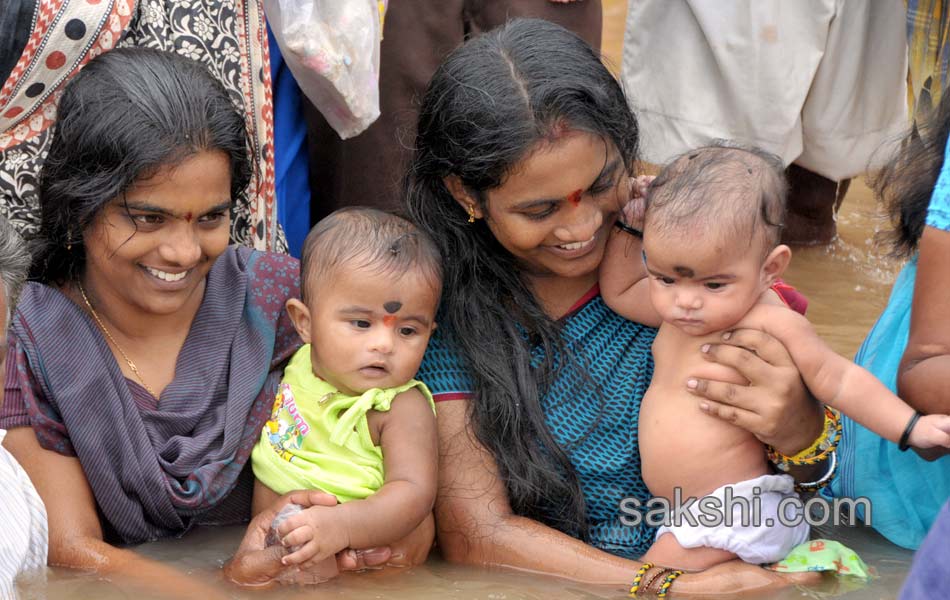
<point x="167" y="276"/>
<point x="576" y="249"/>
<point x="566" y="238"/>
<point x="168" y="229"/>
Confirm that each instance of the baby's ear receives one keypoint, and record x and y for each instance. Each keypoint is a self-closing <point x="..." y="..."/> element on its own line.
<point x="776" y="263"/>
<point x="300" y="316"/>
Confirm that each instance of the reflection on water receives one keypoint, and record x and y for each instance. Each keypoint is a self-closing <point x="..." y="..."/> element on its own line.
<point x="202" y="552"/>
<point x="847" y="285"/>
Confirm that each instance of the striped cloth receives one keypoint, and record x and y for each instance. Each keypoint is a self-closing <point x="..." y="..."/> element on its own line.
<point x="928" y="52"/>
<point x="23" y="533"/>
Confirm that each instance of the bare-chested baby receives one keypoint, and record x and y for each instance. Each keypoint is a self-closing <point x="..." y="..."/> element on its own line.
<point x="709" y="260"/>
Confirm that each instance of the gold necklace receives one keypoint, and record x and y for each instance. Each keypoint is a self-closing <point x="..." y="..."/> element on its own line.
<point x="102" y="326"/>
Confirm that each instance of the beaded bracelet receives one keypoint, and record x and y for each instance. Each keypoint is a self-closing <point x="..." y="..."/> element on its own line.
<point x="668" y="583"/>
<point x="817" y="452"/>
<point x="829" y="428"/>
<point x="635" y="586"/>
<point x="664" y="576"/>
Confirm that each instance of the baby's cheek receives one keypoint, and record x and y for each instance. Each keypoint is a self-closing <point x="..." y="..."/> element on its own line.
<point x="658" y="296"/>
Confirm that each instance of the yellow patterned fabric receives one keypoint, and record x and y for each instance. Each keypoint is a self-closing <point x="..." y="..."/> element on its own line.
<point x="318" y="438"/>
<point x="928" y="51"/>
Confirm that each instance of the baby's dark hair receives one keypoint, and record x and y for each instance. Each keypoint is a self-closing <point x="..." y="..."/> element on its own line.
<point x="735" y="190"/>
<point x="366" y="238"/>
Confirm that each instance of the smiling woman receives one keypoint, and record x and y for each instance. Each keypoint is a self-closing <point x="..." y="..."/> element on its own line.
<point x="551" y="227"/>
<point x="523" y="158"/>
<point x="147" y="251"/>
<point x="145" y="356"/>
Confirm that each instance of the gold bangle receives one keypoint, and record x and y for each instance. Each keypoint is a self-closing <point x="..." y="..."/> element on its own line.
<point x="656" y="577"/>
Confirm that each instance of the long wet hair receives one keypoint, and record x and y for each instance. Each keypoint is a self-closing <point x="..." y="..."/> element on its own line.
<point x="128" y="114"/>
<point x="906" y="183"/>
<point x="487" y="107"/>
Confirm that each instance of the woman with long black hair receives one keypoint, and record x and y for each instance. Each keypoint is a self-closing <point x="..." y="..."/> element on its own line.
<point x="524" y="154"/>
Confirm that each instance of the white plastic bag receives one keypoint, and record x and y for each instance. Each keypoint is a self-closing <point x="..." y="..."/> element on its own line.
<point x="332" y="48"/>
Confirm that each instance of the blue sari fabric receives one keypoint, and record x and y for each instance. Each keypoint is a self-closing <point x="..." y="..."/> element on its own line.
<point x="593" y="417"/>
<point x="906" y="492"/>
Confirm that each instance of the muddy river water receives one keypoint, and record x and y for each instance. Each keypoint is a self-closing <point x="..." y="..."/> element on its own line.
<point x="847" y="285"/>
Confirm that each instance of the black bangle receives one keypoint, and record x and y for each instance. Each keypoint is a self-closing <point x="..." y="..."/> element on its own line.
<point x="631" y="230"/>
<point x="902" y="445"/>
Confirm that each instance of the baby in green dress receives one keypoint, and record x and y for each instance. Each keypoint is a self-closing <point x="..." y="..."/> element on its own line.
<point x="349" y="419"/>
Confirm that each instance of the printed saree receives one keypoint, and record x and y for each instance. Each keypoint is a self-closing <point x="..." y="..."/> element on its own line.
<point x="928" y="52"/>
<point x="228" y="36"/>
<point x="157" y="470"/>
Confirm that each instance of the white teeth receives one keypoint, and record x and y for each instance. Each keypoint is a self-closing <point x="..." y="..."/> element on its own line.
<point x="575" y="245"/>
<point x="167" y="276"/>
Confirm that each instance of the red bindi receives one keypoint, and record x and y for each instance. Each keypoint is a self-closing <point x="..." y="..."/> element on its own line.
<point x="575" y="197"/>
<point x="188" y="217"/>
<point x="389" y="320"/>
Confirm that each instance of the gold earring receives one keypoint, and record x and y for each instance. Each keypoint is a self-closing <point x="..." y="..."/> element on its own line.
<point x="471" y="214"/>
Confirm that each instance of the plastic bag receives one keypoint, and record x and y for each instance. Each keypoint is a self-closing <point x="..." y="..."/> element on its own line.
<point x="323" y="571"/>
<point x="332" y="48"/>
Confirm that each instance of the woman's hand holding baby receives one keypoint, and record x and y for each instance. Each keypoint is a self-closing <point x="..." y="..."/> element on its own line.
<point x="775" y="406"/>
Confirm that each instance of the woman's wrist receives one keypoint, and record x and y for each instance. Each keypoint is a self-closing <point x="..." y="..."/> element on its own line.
<point x="821" y="451"/>
<point x="796" y="439"/>
<point x="653" y="580"/>
<point x="817" y="451"/>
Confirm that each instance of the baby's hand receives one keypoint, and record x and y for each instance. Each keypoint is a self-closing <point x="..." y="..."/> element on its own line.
<point x="640" y="186"/>
<point x="313" y="535"/>
<point x="632" y="212"/>
<point x="931" y="431"/>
